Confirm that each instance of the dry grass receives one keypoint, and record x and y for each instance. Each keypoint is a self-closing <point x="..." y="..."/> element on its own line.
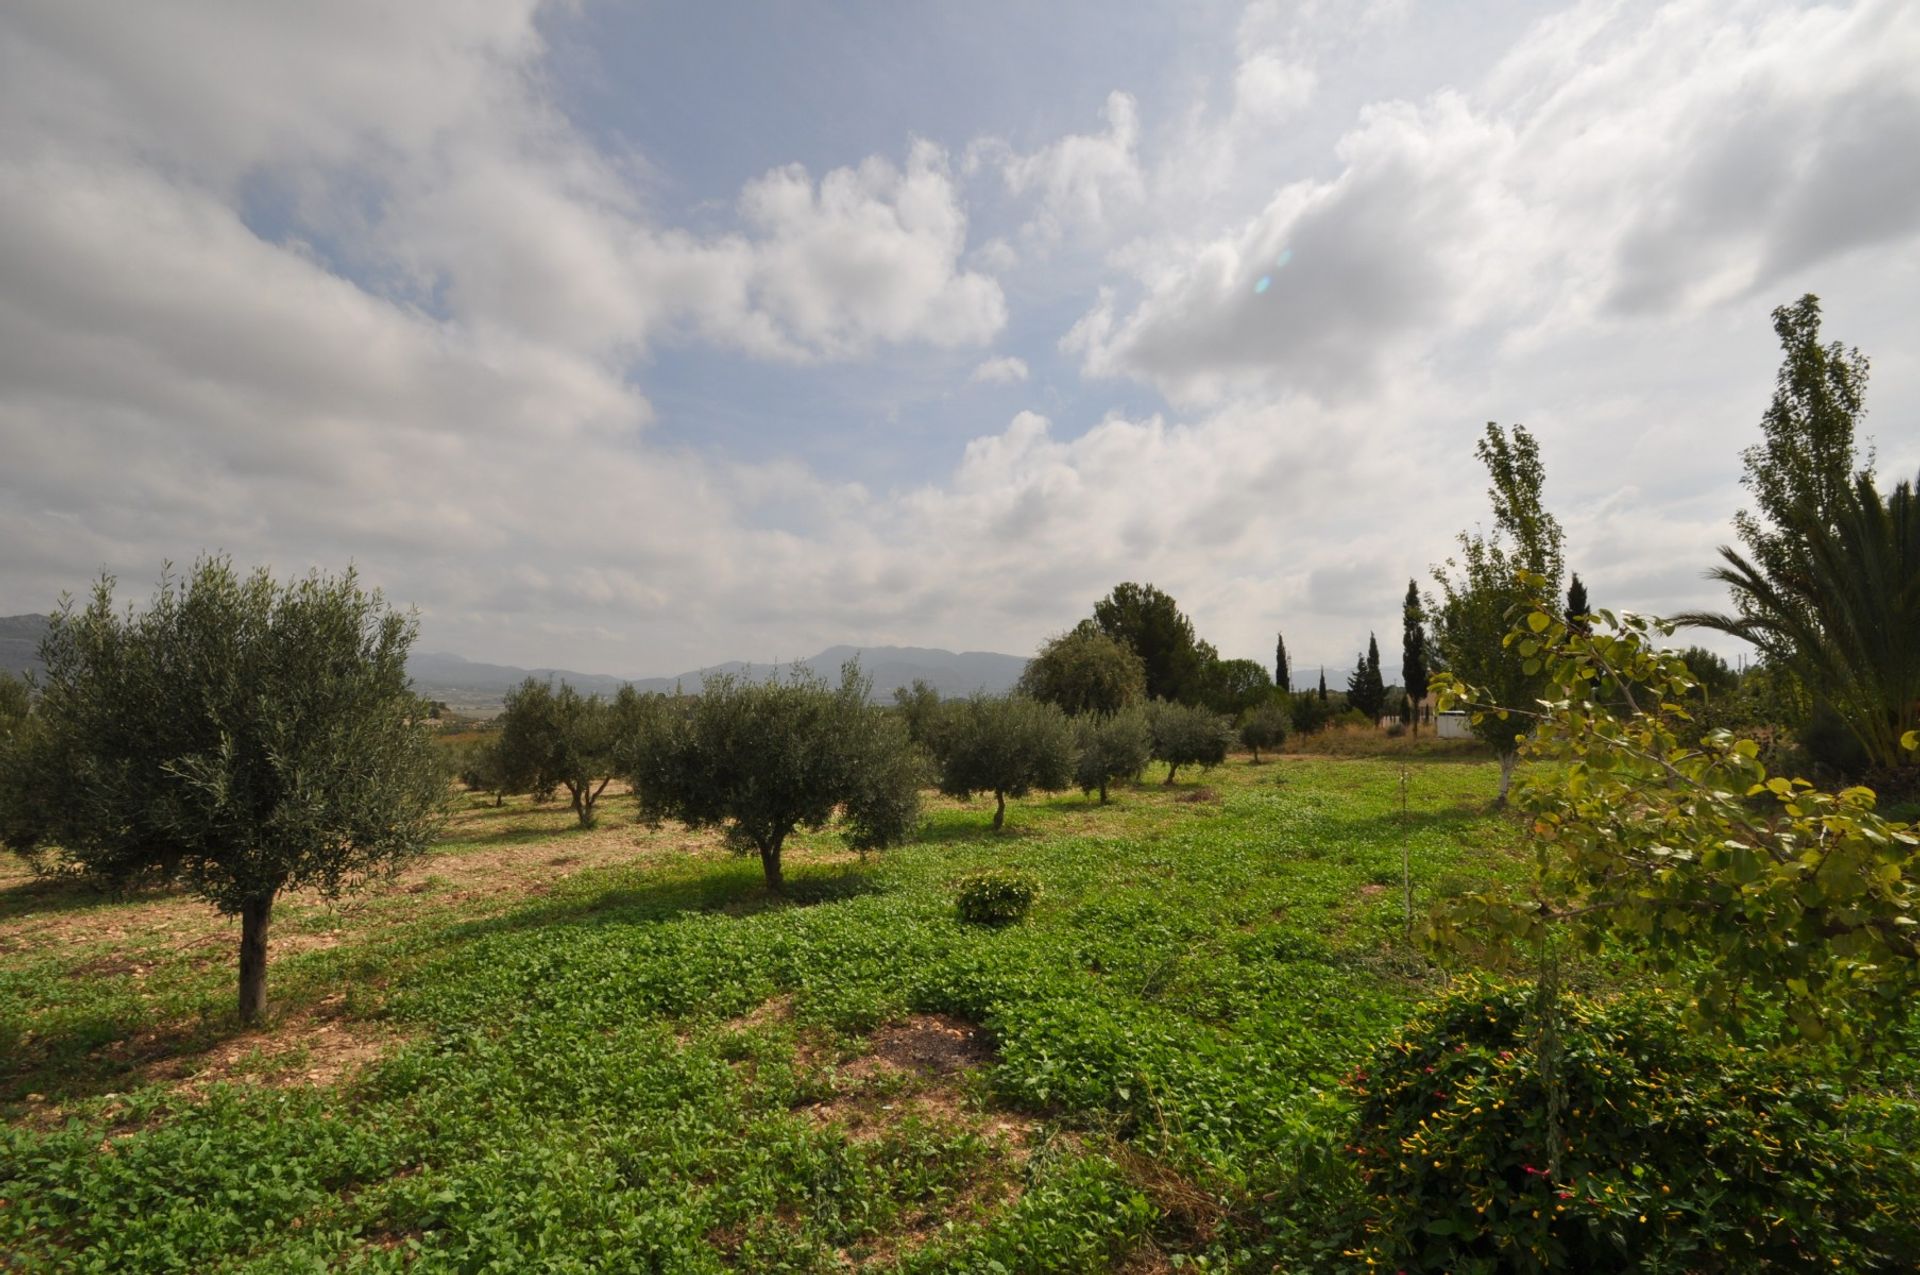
<point x="1375" y="742"/>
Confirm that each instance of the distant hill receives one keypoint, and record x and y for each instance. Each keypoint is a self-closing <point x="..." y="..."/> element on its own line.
<point x="20" y="643"/>
<point x="469" y="685"/>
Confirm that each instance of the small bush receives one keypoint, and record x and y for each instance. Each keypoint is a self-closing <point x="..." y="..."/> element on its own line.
<point x="1678" y="1152"/>
<point x="996" y="896"/>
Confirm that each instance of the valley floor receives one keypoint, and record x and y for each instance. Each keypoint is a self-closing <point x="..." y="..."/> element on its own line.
<point x="546" y="1048"/>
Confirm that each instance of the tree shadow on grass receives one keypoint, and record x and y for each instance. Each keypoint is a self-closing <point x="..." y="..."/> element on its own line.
<point x="1460" y="818"/>
<point x="70" y="894"/>
<point x="976" y="833"/>
<point x="103" y="1053"/>
<point x="730" y="889"/>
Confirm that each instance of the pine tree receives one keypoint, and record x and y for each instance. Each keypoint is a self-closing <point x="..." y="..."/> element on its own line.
<point x="1365" y="691"/>
<point x="1413" y="654"/>
<point x="1282" y="676"/>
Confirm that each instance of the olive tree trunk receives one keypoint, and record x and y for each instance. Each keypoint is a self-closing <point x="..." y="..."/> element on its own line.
<point x="770" y="864"/>
<point x="999" y="810"/>
<point x="1507" y="761"/>
<point x="255" y="913"/>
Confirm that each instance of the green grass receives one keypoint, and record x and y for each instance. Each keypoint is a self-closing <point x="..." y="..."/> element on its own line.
<point x="642" y="1061"/>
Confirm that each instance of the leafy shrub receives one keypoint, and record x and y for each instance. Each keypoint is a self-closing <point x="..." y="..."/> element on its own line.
<point x="1678" y="1153"/>
<point x="997" y="896"/>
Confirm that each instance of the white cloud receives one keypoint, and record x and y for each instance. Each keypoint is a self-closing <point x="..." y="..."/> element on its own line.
<point x="1006" y="370"/>
<point x="1082" y="181"/>
<point x="317" y="289"/>
<point x="869" y="256"/>
<point x="1618" y="161"/>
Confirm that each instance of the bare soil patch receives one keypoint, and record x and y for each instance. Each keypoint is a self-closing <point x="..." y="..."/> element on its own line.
<point x="314" y="1046"/>
<point x="924" y="1045"/>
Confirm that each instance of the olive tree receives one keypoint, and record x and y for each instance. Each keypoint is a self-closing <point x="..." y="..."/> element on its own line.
<point x="762" y="759"/>
<point x="1085" y="671"/>
<point x="561" y="739"/>
<point x="1189" y="735"/>
<point x="240" y="736"/>
<point x="1008" y="745"/>
<point x="16" y="701"/>
<point x="481" y="767"/>
<point x="918" y="706"/>
<point x="1111" y="747"/>
<point x="1265" y="727"/>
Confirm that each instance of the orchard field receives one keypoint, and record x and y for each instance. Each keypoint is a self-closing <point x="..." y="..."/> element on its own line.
<point x="561" y="1049"/>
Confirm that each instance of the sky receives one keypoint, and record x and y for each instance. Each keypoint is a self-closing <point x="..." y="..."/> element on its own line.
<point x="631" y="338"/>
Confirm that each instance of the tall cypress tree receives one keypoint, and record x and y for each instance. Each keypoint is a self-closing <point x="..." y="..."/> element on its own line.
<point x="1577" y="598"/>
<point x="1365" y="691"/>
<point x="1323" y="683"/>
<point x="1281" y="676"/>
<point x="1413" y="653"/>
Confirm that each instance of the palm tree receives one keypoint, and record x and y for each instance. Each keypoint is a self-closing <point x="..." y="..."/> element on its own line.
<point x="1843" y="614"/>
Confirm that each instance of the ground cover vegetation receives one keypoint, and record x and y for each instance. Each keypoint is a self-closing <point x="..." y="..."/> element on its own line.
<point x="581" y="1042"/>
<point x="1334" y="1011"/>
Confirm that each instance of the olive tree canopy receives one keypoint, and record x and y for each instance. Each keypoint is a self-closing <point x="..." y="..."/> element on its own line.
<point x="240" y="736"/>
<point x="1189" y="735"/>
<point x="562" y="739"/>
<point x="762" y="759"/>
<point x="1008" y="745"/>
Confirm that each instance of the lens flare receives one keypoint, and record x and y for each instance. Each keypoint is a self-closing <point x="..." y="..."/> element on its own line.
<point x="1262" y="283"/>
<point x="1280" y="262"/>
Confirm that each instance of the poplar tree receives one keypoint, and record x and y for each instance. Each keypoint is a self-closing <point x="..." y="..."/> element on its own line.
<point x="1482" y="590"/>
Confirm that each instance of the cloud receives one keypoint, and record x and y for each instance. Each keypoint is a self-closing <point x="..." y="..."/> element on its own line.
<point x="1619" y="160"/>
<point x="1006" y="370"/>
<point x="868" y="256"/>
<point x="354" y="288"/>
<point x="1081" y="182"/>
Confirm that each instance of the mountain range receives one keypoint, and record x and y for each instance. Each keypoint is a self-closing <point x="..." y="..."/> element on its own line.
<point x="471" y="686"/>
